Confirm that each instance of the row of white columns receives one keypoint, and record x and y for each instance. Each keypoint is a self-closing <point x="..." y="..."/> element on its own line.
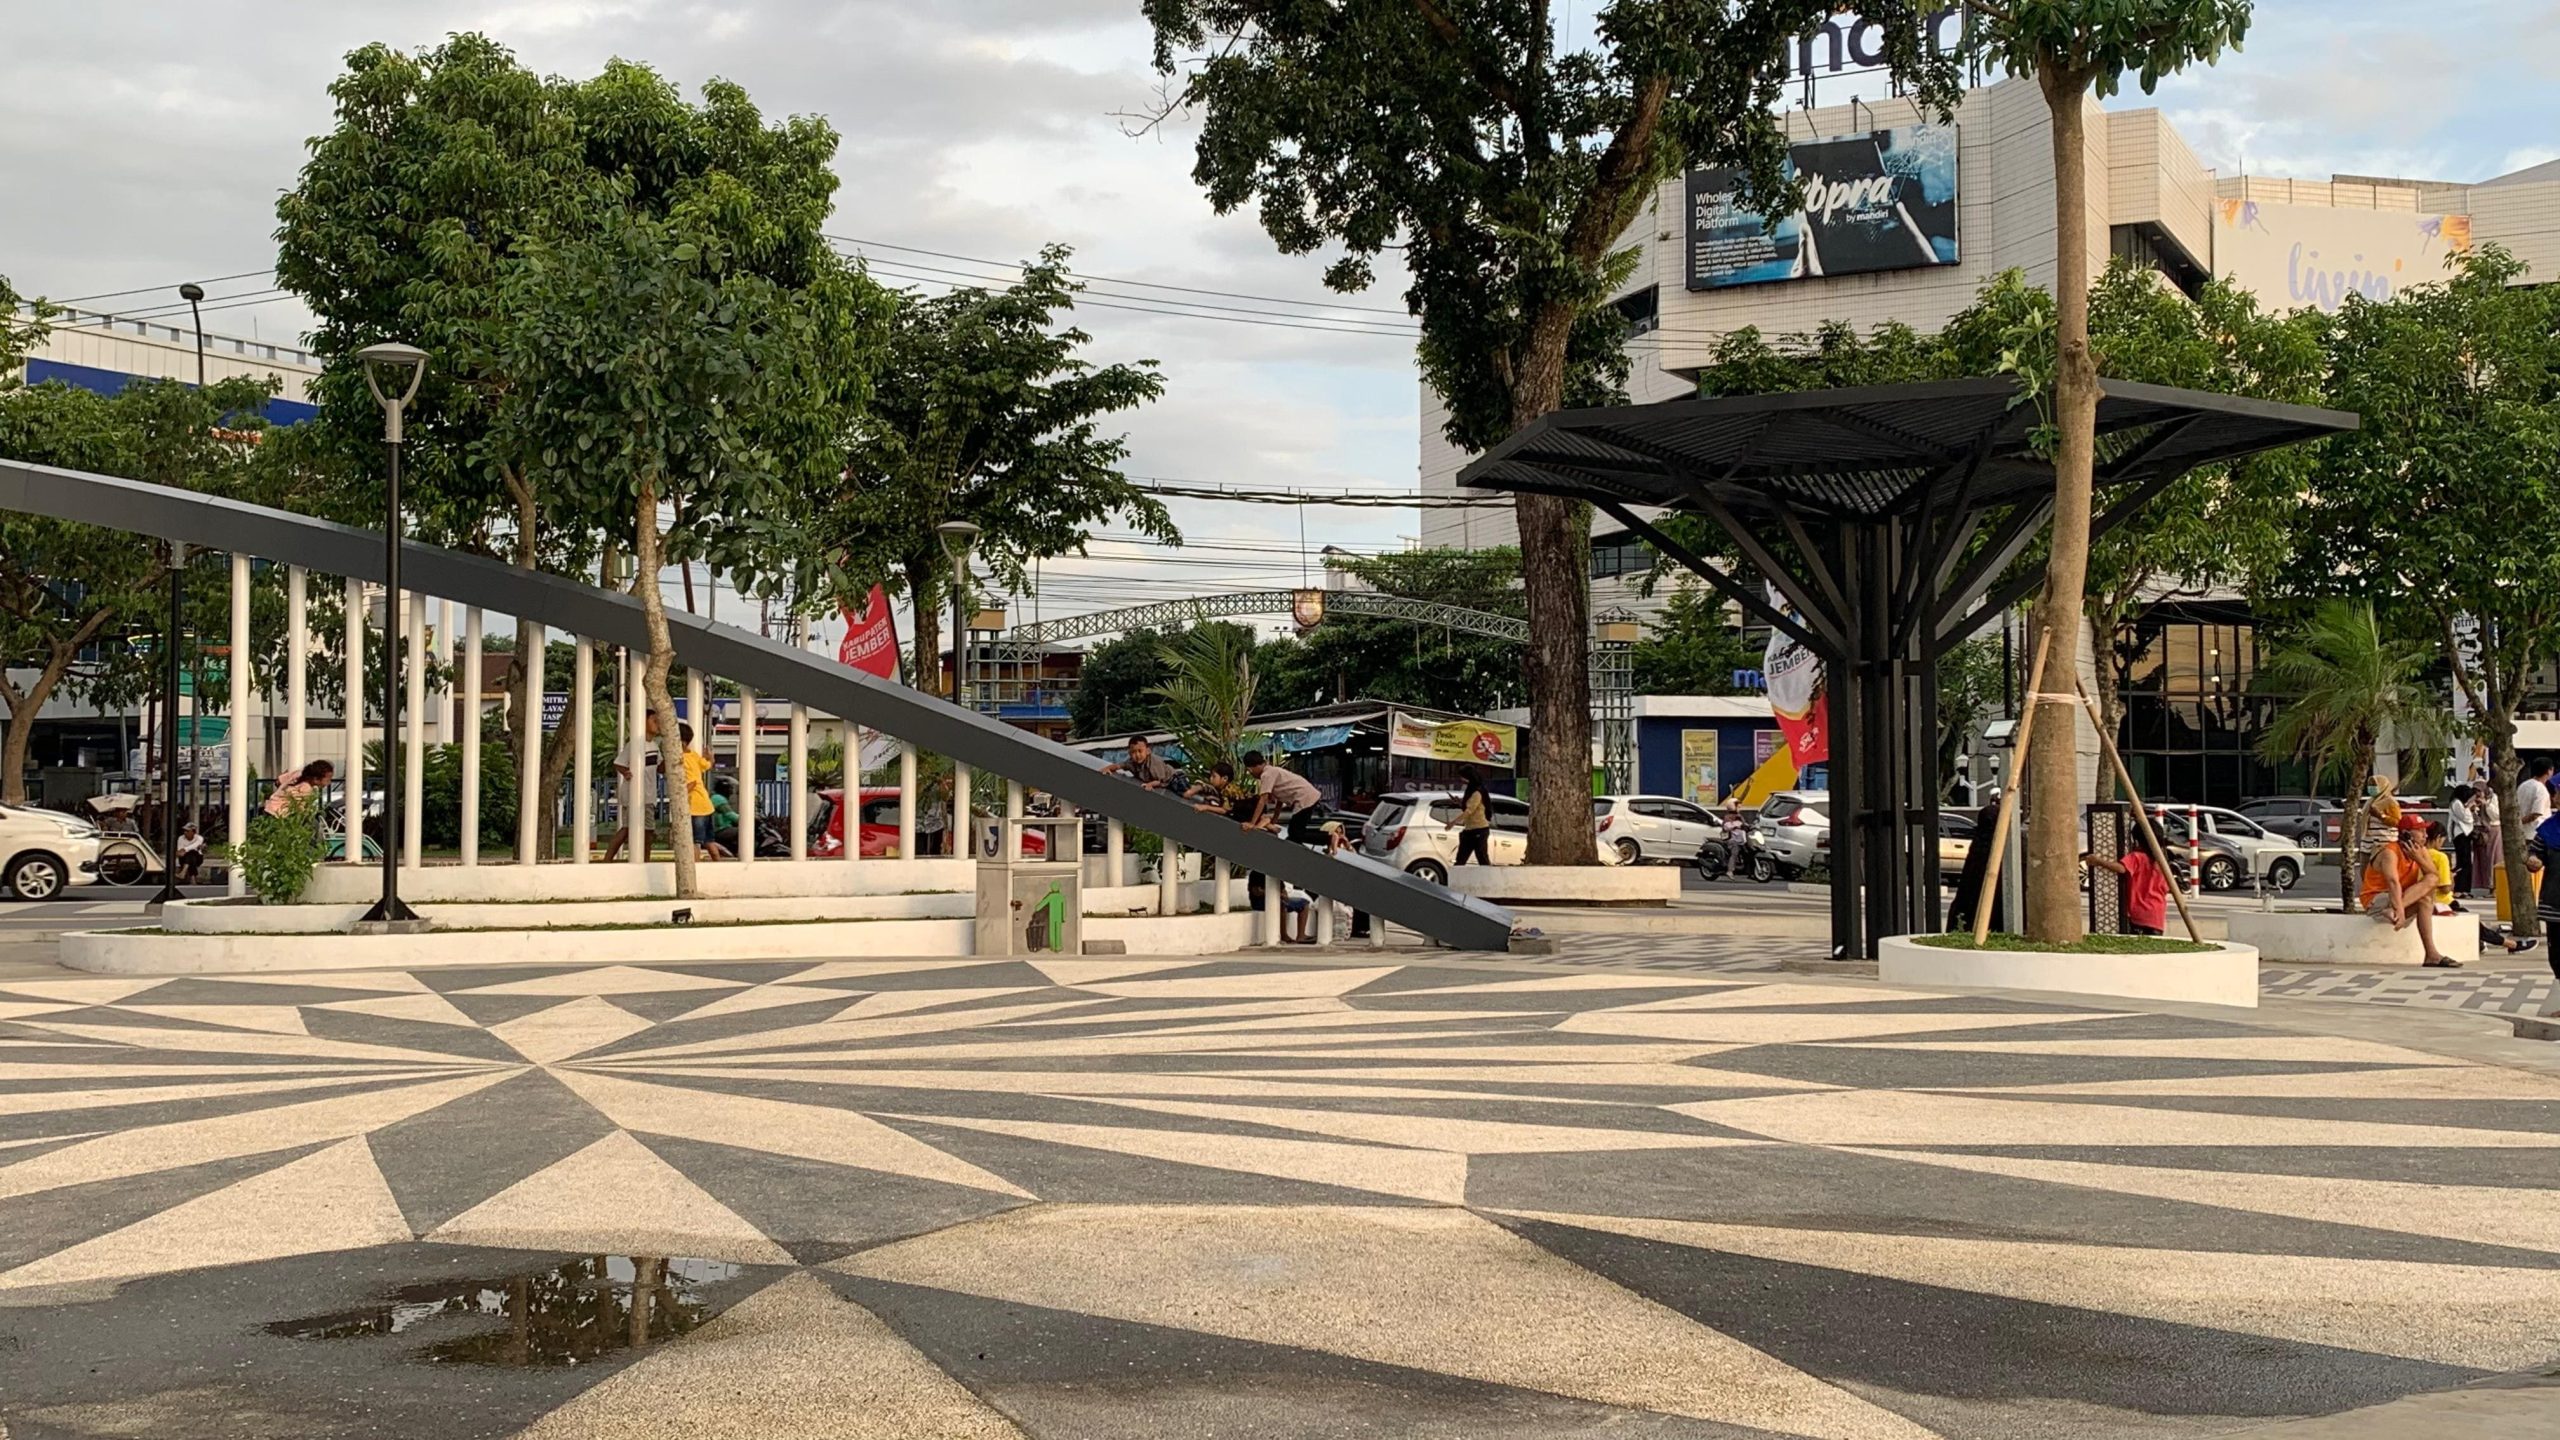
<point x="407" y="620"/>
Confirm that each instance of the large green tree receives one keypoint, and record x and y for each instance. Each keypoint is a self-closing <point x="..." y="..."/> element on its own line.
<point x="2072" y="48"/>
<point x="2435" y="502"/>
<point x="985" y="411"/>
<point x="692" y="348"/>
<point x="71" y="594"/>
<point x="1502" y="172"/>
<point x="1114" y="685"/>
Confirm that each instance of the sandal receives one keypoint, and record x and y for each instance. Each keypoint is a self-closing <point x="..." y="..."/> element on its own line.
<point x="2441" y="962"/>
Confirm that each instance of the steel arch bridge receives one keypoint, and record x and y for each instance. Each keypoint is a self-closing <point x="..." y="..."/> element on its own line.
<point x="1612" y="660"/>
<point x="1163" y="613"/>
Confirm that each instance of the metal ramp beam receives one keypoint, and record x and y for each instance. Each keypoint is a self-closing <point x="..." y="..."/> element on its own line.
<point x="769" y="667"/>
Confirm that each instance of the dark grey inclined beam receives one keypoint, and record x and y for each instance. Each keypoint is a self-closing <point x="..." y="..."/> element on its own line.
<point x="765" y="666"/>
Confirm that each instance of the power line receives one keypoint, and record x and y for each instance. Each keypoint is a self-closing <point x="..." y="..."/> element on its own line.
<point x="150" y="289"/>
<point x="1117" y="280"/>
<point x="911" y="266"/>
<point x="1148" y="306"/>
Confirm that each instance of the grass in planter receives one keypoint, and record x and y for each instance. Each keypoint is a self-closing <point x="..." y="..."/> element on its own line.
<point x="2086" y="945"/>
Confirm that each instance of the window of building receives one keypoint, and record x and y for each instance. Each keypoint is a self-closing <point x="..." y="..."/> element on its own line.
<point x="1642" y="310"/>
<point x="2149" y="246"/>
<point x="1619" y="554"/>
<point x="2191" y="720"/>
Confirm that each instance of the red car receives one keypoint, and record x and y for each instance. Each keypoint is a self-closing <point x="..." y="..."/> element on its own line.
<point x="880" y="826"/>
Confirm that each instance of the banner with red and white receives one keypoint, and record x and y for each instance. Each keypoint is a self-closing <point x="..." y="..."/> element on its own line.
<point x="871" y="637"/>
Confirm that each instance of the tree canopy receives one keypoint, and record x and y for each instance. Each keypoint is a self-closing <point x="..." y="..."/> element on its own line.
<point x="70" y="593"/>
<point x="1502" y="172"/>
<point x="985" y="411"/>
<point x="1689" y="649"/>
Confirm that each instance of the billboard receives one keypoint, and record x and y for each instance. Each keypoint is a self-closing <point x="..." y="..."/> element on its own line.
<point x="1885" y="200"/>
<point x="1472" y="742"/>
<point x="2291" y="256"/>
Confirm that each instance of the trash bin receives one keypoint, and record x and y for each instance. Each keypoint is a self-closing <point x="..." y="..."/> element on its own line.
<point x="2498" y="885"/>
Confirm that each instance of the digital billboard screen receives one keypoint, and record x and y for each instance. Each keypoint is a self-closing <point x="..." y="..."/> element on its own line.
<point x="1885" y="200"/>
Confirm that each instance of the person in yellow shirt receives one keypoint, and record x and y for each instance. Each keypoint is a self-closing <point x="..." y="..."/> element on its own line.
<point x="697" y="794"/>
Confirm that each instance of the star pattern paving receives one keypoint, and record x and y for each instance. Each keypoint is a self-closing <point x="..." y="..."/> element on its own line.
<point x="1166" y="1197"/>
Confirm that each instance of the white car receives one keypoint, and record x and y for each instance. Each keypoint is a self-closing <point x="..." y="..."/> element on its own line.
<point x="1416" y="831"/>
<point x="42" y="853"/>
<point x="1795" y="828"/>
<point x="1637" y="828"/>
<point x="2266" y="855"/>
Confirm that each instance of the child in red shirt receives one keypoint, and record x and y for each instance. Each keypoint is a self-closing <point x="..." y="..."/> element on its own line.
<point x="2146" y="890"/>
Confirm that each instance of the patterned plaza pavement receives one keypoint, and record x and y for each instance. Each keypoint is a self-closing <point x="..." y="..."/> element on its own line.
<point x="1342" y="1196"/>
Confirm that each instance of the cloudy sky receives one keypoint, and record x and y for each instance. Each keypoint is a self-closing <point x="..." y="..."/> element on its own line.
<point x="144" y="141"/>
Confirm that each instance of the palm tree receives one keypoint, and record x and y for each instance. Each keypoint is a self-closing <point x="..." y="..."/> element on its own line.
<point x="2344" y="686"/>
<point x="1210" y="693"/>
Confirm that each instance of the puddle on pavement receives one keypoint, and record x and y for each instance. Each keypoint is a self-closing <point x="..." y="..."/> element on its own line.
<point x="569" y="1314"/>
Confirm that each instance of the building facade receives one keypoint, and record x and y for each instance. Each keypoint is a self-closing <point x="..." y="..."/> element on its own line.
<point x="1908" y="217"/>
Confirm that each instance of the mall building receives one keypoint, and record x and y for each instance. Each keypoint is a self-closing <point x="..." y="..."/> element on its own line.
<point x="1907" y="218"/>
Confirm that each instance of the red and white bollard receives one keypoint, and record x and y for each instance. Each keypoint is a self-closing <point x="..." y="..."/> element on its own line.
<point x="2195" y="853"/>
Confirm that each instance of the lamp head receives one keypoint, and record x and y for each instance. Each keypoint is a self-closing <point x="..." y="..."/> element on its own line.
<point x="957" y="537"/>
<point x="191" y="292"/>
<point x="393" y="368"/>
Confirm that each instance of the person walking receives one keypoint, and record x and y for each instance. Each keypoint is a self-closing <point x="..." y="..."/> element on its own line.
<point x="1475" y="825"/>
<point x="2533" y="796"/>
<point x="2462" y="828"/>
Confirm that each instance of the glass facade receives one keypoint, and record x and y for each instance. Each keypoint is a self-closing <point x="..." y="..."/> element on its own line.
<point x="2192" y="716"/>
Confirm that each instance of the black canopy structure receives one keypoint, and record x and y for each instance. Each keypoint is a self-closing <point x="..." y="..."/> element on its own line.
<point x="1885" y="521"/>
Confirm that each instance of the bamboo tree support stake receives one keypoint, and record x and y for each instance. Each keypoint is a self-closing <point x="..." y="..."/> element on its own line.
<point x="2141" y="812"/>
<point x="2009" y="795"/>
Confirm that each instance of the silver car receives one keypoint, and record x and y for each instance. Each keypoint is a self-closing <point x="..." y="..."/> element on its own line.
<point x="1795" y="827"/>
<point x="1637" y="828"/>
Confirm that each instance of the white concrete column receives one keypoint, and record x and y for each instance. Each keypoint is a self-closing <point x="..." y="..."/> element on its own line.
<point x="1222" y="898"/>
<point x="413" y="751"/>
<point x="747" y="739"/>
<point x="795" y="758"/>
<point x="531" y="643"/>
<point x="241" y="728"/>
<point x="1115" y="846"/>
<point x="352" y="848"/>
<point x="1323" y="910"/>
<point x="581" y="721"/>
<point x="1169" y="878"/>
<point x="694" y="714"/>
<point x="297" y="665"/>
<point x="964" y="826"/>
<point x="1012" y="811"/>
<point x="853" y="790"/>
<point x="448" y="643"/>
<point x="467" y="700"/>
<point x="1272" y="891"/>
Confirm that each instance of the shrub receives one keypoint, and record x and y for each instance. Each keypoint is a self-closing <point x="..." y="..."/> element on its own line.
<point x="281" y="851"/>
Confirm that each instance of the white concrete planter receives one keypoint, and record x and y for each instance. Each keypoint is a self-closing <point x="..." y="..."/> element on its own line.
<point x="2325" y="937"/>
<point x="160" y="952"/>
<point x="218" y="917"/>
<point x="341" y="884"/>
<point x="2225" y="975"/>
<point x="1569" y="884"/>
<point x="1175" y="934"/>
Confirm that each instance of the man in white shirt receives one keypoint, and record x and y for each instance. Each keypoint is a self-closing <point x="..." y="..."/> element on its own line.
<point x="2533" y="795"/>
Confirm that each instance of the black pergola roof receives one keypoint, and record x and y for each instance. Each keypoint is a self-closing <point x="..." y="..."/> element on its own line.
<point x="1874" y="450"/>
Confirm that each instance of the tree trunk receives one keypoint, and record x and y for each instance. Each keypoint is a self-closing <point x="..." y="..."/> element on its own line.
<point x="2506" y="767"/>
<point x="654" y="693"/>
<point x="924" y="595"/>
<point x="1555" y="578"/>
<point x="2053" y="769"/>
<point x="2108" y="695"/>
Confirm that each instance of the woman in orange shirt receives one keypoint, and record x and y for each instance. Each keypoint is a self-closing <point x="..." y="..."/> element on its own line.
<point x="2399" y="887"/>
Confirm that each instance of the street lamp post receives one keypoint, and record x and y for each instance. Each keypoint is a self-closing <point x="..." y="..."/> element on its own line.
<point x="169" y="708"/>
<point x="957" y="537"/>
<point x="393" y="373"/>
<point x="193" y="294"/>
